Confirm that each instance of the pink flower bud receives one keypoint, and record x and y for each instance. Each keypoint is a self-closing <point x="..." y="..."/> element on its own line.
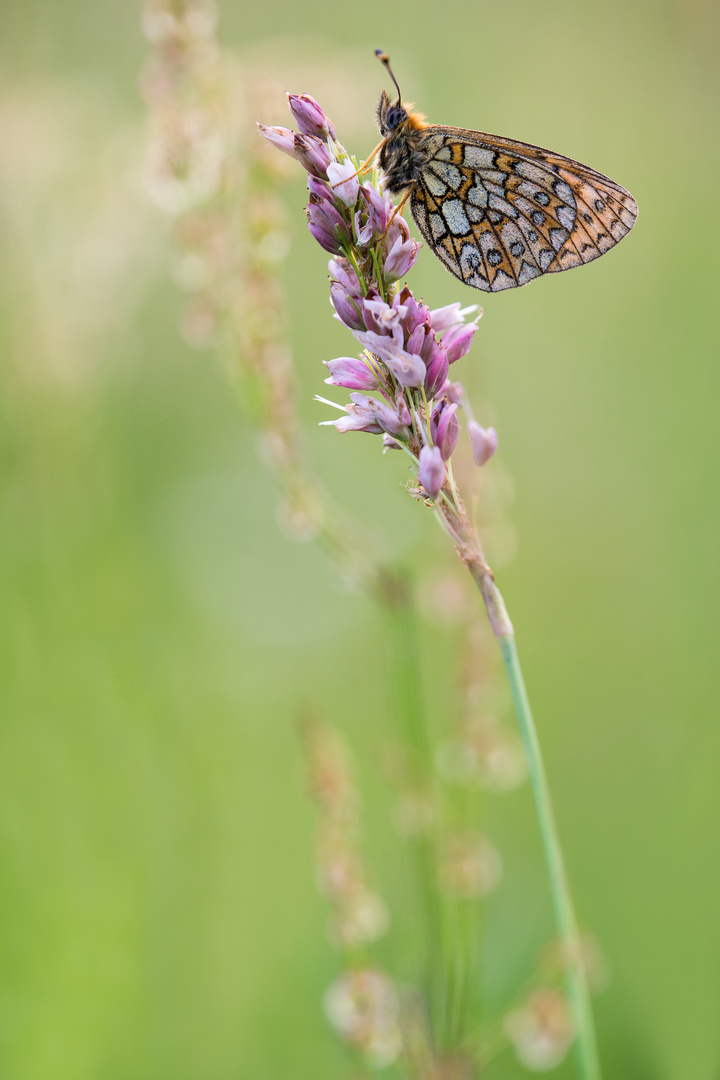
<point x="341" y="271"/>
<point x="455" y="392"/>
<point x="402" y="251"/>
<point x="484" y="442"/>
<point x="309" y="116"/>
<point x="347" y="307"/>
<point x="351" y="373"/>
<point x="431" y="470"/>
<point x="416" y="340"/>
<point x="444" y="428"/>
<point x="416" y="314"/>
<point x="327" y="225"/>
<point x="436" y="374"/>
<point x="280" y="137"/>
<point x="324" y="239"/>
<point x="312" y="154"/>
<point x="457" y="341"/>
<point x="401" y="258"/>
<point x="321" y="189"/>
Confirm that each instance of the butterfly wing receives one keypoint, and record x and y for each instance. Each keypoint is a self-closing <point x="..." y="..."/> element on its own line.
<point x="500" y="213"/>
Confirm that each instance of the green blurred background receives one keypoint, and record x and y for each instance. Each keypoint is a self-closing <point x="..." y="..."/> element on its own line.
<point x="159" y="633"/>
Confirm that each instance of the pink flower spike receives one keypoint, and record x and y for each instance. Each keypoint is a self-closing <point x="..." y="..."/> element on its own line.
<point x="344" y="181"/>
<point x="280" y="137"/>
<point x="309" y="116"/>
<point x="484" y="442"/>
<point x="351" y="373"/>
<point x="431" y="470"/>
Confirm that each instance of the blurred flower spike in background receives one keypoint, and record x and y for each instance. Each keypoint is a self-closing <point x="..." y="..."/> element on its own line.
<point x="407" y="348"/>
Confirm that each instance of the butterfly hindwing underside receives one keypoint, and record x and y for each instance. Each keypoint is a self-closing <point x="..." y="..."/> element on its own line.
<point x="500" y="213"/>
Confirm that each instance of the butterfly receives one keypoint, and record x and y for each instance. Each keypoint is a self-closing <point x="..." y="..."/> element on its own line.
<point x="498" y="213"/>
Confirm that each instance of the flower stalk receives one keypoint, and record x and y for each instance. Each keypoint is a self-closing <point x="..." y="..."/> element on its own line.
<point x="405" y="362"/>
<point x="575" y="975"/>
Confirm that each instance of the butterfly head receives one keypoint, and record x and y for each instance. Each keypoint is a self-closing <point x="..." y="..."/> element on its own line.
<point x="393" y="117"/>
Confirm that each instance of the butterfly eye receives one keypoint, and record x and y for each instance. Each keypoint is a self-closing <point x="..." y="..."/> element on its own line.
<point x="394" y="118"/>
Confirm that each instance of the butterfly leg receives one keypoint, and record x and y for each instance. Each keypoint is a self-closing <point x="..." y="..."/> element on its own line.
<point x="398" y="208"/>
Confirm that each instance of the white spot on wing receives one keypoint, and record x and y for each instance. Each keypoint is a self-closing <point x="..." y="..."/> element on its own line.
<point x="437" y="226"/>
<point x="433" y="182"/>
<point x="527" y="273"/>
<point x="566" y="217"/>
<point x="478" y="196"/>
<point x="455" y="217"/>
<point x="446" y="257"/>
<point x="452" y="176"/>
<point x="502" y="206"/>
<point x="494" y="176"/>
<point x="531" y="172"/>
<point x="435" y="146"/>
<point x="502" y="281"/>
<point x="558" y="238"/>
<point x="477" y="157"/>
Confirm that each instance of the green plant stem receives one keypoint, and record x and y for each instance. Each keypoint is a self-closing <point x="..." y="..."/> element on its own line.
<point x="468" y="548"/>
<point x="575" y="979"/>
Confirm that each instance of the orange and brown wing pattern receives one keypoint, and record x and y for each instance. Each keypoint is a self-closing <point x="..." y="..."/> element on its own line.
<point x="500" y="213"/>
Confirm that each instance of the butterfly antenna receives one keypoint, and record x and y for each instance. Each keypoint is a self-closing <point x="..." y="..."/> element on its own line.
<point x="385" y="61"/>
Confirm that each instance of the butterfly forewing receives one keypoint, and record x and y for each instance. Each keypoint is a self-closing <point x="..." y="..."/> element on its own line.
<point x="500" y="213"/>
